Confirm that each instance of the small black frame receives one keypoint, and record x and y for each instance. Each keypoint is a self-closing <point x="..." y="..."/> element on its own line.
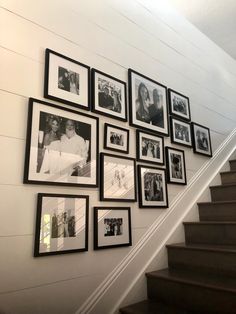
<point x="116" y="138"/>
<point x="175" y="164"/>
<point x="180" y="132"/>
<point x="179" y="105"/>
<point x="201" y="139"/>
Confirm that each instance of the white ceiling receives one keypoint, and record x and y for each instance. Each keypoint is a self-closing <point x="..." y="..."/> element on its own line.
<point x="215" y="18"/>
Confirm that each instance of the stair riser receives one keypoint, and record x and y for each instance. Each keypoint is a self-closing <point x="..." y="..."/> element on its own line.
<point x="228" y="178"/>
<point x="232" y="165"/>
<point x="203" y="261"/>
<point x="223" y="193"/>
<point x="210" y="234"/>
<point x="191" y="296"/>
<point x="217" y="212"/>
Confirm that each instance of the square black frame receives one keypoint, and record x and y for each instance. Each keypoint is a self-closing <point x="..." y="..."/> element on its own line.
<point x="200" y="142"/>
<point x="187" y="116"/>
<point x="112" y="146"/>
<point x="38" y="228"/>
<point x="55" y="94"/>
<point x="95" y="99"/>
<point x="117" y="178"/>
<point x="98" y="246"/>
<point x="173" y="132"/>
<point x="32" y="160"/>
<point x="170" y="178"/>
<point x="152" y="116"/>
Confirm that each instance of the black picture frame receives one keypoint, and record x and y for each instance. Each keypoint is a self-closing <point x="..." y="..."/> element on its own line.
<point x="112" y="227"/>
<point x="109" y="95"/>
<point x="152" y="184"/>
<point x="150" y="148"/>
<point x="175" y="165"/>
<point x="61" y="224"/>
<point x="66" y="80"/>
<point x="152" y="118"/>
<point x="116" y="138"/>
<point x="201" y="139"/>
<point x="117" y="178"/>
<point x="179" y="105"/>
<point x="62" y="154"/>
<point x="180" y="132"/>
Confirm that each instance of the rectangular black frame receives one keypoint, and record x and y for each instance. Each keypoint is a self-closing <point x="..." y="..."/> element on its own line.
<point x="61" y="94"/>
<point x="182" y="98"/>
<point x="122" y="115"/>
<point x="147" y="159"/>
<point x="33" y="160"/>
<point x="65" y="226"/>
<point x="118" y="179"/>
<point x="199" y="143"/>
<point x="150" y="118"/>
<point x="114" y="146"/>
<point x="115" y="244"/>
<point x="173" y="132"/>
<point x="178" y="164"/>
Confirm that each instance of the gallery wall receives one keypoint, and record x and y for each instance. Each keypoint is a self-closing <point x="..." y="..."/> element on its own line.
<point x="110" y="36"/>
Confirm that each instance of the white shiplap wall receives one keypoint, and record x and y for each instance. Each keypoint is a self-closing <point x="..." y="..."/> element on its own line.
<point x="110" y="35"/>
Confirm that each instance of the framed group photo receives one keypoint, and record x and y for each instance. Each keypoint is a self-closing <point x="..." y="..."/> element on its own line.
<point x="201" y="139"/>
<point x="117" y="178"/>
<point x="152" y="187"/>
<point x="179" y="105"/>
<point x="148" y="103"/>
<point x="180" y="132"/>
<point x="112" y="227"/>
<point x="61" y="224"/>
<point x="109" y="96"/>
<point x="175" y="163"/>
<point x="116" y="138"/>
<point x="150" y="147"/>
<point x="67" y="80"/>
<point x="61" y="146"/>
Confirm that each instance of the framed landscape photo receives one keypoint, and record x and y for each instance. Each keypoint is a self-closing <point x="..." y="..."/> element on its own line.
<point x="201" y="139"/>
<point x="150" y="147"/>
<point x="148" y="103"/>
<point x="116" y="138"/>
<point x="109" y="96"/>
<point x="66" y="80"/>
<point x="61" y="146"/>
<point x="179" y="105"/>
<point x="117" y="178"/>
<point x="152" y="187"/>
<point x="61" y="224"/>
<point x="112" y="227"/>
<point x="180" y="132"/>
<point x="175" y="163"/>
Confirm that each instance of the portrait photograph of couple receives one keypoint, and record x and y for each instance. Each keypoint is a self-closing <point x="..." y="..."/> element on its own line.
<point x="148" y="103"/>
<point x="63" y="146"/>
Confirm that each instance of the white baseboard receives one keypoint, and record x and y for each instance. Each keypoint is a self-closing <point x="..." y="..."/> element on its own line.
<point x="108" y="296"/>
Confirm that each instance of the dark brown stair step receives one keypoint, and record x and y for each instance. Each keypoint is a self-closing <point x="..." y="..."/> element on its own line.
<point x="223" y="192"/>
<point x="193" y="291"/>
<point x="210" y="232"/>
<point x="232" y="164"/>
<point x="152" y="307"/>
<point x="217" y="211"/>
<point x="228" y="177"/>
<point x="203" y="258"/>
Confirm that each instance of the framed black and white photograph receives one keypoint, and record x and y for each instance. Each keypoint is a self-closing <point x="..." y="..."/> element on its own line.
<point x="117" y="178"/>
<point x="109" y="96"/>
<point x="61" y="224"/>
<point x="112" y="227"/>
<point x="152" y="187"/>
<point x="116" y="138"/>
<point x="150" y="147"/>
<point x="175" y="163"/>
<point x="148" y="103"/>
<point x="180" y="132"/>
<point x="179" y="105"/>
<point x="66" y="80"/>
<point x="201" y="139"/>
<point x="61" y="146"/>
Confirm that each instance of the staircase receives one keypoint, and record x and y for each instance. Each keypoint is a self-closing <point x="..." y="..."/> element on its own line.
<point x="201" y="277"/>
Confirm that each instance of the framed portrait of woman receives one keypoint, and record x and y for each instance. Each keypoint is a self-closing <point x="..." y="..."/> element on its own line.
<point x="201" y="139"/>
<point x="61" y="146"/>
<point x="148" y="103"/>
<point x="175" y="164"/>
